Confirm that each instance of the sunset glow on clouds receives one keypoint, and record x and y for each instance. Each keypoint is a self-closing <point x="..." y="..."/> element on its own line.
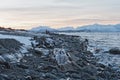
<point x="58" y="13"/>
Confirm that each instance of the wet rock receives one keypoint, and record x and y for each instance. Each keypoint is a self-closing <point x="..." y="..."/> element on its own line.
<point x="98" y="50"/>
<point x="44" y="42"/>
<point x="86" y="76"/>
<point x="28" y="78"/>
<point x="2" y="59"/>
<point x="49" y="43"/>
<point x="3" y="62"/>
<point x="88" y="53"/>
<point x="42" y="51"/>
<point x="101" y="65"/>
<point x="75" y="76"/>
<point x="4" y="77"/>
<point x="84" y="45"/>
<point x="61" y="56"/>
<point x="3" y="50"/>
<point x="114" y="51"/>
<point x="50" y="76"/>
<point x="9" y="50"/>
<point x="102" y="75"/>
<point x="23" y="66"/>
<point x="90" y="69"/>
<point x="49" y="68"/>
<point x="10" y="44"/>
<point x="70" y="42"/>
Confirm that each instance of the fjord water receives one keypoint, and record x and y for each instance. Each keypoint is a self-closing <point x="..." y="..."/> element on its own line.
<point x="102" y="41"/>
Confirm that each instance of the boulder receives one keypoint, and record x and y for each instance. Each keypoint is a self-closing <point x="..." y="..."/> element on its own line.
<point x="64" y="60"/>
<point x="44" y="42"/>
<point x="114" y="51"/>
<point x="4" y="77"/>
<point x="42" y="51"/>
<point x="49" y="43"/>
<point x="23" y="66"/>
<point x="61" y="56"/>
<point x="3" y="50"/>
<point x="90" y="69"/>
<point x="9" y="45"/>
<point x="51" y="76"/>
<point x="3" y="62"/>
<point x="2" y="59"/>
<point x="86" y="76"/>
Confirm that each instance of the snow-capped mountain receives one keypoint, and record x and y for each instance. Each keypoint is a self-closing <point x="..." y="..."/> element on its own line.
<point x="66" y="29"/>
<point x="86" y="28"/>
<point x="42" y="29"/>
<point x="100" y="28"/>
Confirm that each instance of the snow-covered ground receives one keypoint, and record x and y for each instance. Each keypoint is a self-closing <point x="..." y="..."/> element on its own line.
<point x="103" y="42"/>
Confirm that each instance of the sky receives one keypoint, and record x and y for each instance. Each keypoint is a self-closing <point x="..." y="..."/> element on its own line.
<point x="26" y="14"/>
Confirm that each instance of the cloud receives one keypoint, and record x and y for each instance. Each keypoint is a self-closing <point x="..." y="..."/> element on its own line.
<point x="77" y="22"/>
<point x="73" y="1"/>
<point x="59" y="12"/>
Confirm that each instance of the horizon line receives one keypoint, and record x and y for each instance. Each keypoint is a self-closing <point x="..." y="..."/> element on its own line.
<point x="56" y="27"/>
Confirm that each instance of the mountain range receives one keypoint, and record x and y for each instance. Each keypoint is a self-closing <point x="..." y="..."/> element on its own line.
<point x="86" y="28"/>
<point x="42" y="29"/>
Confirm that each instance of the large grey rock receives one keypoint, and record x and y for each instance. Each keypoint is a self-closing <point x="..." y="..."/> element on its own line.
<point x="49" y="43"/>
<point x="3" y="50"/>
<point x="9" y="45"/>
<point x="2" y="59"/>
<point x="61" y="56"/>
<point x="44" y="42"/>
<point x="23" y="66"/>
<point x="51" y="76"/>
<point x="42" y="51"/>
<point x="114" y="51"/>
<point x="90" y="69"/>
<point x="3" y="62"/>
<point x="4" y="77"/>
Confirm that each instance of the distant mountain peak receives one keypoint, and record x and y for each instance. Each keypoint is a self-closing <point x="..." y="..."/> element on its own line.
<point x="100" y="28"/>
<point x="42" y="29"/>
<point x="92" y="28"/>
<point x="68" y="28"/>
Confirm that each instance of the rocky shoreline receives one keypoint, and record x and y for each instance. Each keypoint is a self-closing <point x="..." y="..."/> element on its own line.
<point x="56" y="57"/>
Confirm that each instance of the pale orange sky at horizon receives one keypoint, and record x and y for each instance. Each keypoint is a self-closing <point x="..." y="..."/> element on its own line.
<point x="26" y="14"/>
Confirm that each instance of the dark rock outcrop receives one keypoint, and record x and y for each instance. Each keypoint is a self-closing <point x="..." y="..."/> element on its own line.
<point x="9" y="45"/>
<point x="114" y="51"/>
